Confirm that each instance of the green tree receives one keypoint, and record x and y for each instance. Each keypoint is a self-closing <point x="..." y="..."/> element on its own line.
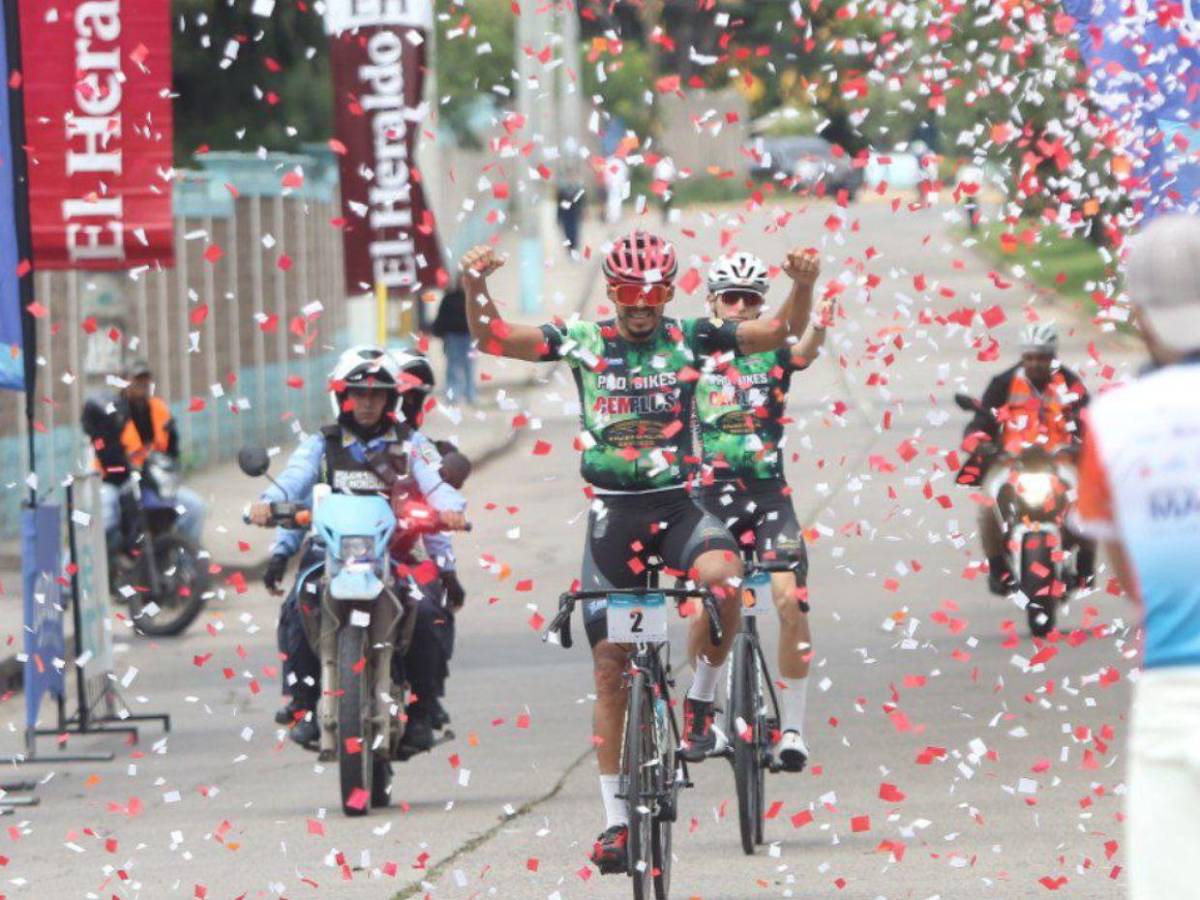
<point x="475" y="47"/>
<point x="245" y="81"/>
<point x="627" y="91"/>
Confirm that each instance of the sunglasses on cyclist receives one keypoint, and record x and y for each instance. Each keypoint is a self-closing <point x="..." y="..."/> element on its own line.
<point x="650" y="294"/>
<point x="748" y="299"/>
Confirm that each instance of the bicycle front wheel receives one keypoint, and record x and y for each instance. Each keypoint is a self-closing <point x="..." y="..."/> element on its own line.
<point x="637" y="785"/>
<point x="667" y="790"/>
<point x="744" y="704"/>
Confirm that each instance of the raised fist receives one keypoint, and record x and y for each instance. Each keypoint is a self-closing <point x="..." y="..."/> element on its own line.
<point x="479" y="262"/>
<point x="803" y="266"/>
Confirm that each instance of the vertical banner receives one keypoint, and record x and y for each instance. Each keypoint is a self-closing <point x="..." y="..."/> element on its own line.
<point x="1143" y="63"/>
<point x="377" y="54"/>
<point x="96" y="658"/>
<point x="97" y="77"/>
<point x="12" y="334"/>
<point x="41" y="569"/>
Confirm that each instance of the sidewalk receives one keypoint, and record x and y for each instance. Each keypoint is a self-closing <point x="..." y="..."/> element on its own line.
<point x="482" y="432"/>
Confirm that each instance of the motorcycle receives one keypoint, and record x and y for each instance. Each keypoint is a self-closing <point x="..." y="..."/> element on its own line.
<point x="161" y="575"/>
<point x="367" y="614"/>
<point x="1032" y="505"/>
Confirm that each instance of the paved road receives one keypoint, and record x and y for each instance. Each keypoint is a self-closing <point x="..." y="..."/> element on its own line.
<point x="1006" y="777"/>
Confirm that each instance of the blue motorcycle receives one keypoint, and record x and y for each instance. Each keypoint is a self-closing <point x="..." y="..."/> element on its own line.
<point x="366" y="618"/>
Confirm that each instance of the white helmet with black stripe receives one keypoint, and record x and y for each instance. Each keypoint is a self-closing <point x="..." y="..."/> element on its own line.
<point x="738" y="272"/>
<point x="1040" y="337"/>
<point x="416" y="383"/>
<point x="364" y="366"/>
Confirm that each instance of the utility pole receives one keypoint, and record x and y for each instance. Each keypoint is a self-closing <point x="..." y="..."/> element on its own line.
<point x="529" y="191"/>
<point x="570" y="110"/>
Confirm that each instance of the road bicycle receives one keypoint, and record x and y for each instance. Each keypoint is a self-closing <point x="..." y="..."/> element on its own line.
<point x="651" y="772"/>
<point x="752" y="716"/>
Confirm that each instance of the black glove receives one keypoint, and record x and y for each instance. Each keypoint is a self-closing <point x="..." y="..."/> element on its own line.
<point x="275" y="571"/>
<point x="455" y="595"/>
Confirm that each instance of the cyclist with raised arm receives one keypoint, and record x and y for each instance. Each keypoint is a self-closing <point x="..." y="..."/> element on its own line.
<point x="636" y="378"/>
<point x="740" y="404"/>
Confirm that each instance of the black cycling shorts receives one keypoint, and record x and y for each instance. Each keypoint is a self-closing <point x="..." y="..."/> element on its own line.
<point x="664" y="525"/>
<point x="760" y="515"/>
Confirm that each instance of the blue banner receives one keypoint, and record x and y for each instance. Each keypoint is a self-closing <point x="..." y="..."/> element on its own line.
<point x="12" y="362"/>
<point x="1143" y="60"/>
<point x="41" y="569"/>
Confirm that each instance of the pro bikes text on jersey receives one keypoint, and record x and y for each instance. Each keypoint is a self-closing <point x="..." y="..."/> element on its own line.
<point x="636" y="395"/>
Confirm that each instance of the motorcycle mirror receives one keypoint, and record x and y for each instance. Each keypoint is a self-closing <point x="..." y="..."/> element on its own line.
<point x="254" y="461"/>
<point x="966" y="402"/>
<point x="456" y="468"/>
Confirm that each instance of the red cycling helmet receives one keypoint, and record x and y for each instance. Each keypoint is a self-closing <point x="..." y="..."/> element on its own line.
<point x="641" y="258"/>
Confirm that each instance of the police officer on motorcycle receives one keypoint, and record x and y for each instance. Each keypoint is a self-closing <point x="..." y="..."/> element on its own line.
<point x="366" y="387"/>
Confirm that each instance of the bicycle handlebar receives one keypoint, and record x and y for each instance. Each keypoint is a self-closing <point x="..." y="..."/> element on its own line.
<point x="567" y="600"/>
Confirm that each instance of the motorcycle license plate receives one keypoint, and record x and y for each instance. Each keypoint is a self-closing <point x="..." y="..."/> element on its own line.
<point x="637" y="618"/>
<point x="756" y="594"/>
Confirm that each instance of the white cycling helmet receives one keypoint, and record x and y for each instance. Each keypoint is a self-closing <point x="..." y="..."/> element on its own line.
<point x="1039" y="337"/>
<point x="739" y="272"/>
<point x="364" y="366"/>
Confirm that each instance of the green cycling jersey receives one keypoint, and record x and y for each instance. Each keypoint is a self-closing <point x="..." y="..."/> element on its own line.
<point x="636" y="397"/>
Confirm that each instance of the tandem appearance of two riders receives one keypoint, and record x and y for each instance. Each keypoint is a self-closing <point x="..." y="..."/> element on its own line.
<point x="636" y="380"/>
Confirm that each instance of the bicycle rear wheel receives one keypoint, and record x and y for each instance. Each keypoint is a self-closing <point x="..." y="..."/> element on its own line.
<point x="637" y="785"/>
<point x="747" y="754"/>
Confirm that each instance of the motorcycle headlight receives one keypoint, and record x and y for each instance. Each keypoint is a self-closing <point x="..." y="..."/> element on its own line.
<point x="1035" y="487"/>
<point x="357" y="547"/>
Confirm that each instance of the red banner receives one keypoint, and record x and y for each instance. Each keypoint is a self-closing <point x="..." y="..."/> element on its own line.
<point x="377" y="53"/>
<point x="97" y="79"/>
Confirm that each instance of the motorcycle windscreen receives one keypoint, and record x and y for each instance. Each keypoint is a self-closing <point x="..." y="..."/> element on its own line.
<point x="341" y="516"/>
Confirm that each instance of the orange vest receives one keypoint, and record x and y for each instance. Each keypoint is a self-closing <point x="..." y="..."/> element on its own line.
<point x="1037" y="418"/>
<point x="131" y="438"/>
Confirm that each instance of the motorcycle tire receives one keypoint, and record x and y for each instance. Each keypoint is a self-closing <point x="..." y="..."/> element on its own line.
<point x="179" y="566"/>
<point x="1036" y="557"/>
<point x="356" y="762"/>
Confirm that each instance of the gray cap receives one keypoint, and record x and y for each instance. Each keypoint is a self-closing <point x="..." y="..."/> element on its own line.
<point x="139" y="365"/>
<point x="1163" y="278"/>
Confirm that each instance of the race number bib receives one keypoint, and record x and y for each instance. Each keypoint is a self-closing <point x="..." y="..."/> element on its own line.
<point x="637" y="618"/>
<point x="756" y="594"/>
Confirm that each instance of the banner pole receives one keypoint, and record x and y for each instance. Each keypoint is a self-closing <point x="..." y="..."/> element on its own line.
<point x="76" y="615"/>
<point x="20" y="176"/>
<point x="381" y="297"/>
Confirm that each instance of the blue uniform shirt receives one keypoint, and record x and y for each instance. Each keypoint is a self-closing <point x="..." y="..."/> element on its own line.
<point x="303" y="471"/>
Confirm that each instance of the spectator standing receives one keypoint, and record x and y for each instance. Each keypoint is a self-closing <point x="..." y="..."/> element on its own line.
<point x="450" y="325"/>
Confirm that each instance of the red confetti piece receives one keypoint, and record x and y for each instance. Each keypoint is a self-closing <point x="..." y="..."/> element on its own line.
<point x="802" y="818"/>
<point x="199" y="314"/>
<point x="212" y="253"/>
<point x="889" y="793"/>
<point x="860" y="823"/>
<point x="690" y="281"/>
<point x="525" y="585"/>
<point x="541" y="448"/>
<point x="284" y="262"/>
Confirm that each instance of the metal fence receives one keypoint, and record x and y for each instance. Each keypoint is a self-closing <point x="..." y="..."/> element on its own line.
<point x="240" y="337"/>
